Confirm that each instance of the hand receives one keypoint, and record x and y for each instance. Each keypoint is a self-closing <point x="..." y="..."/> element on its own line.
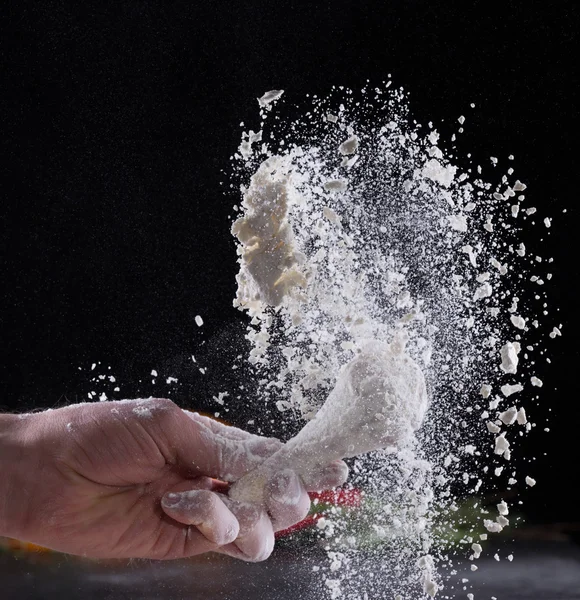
<point x="142" y="478"/>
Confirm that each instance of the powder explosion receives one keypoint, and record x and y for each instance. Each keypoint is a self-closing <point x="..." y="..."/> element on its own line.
<point x="380" y="272"/>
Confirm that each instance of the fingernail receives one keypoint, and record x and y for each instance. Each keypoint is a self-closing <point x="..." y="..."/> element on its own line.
<point x="286" y="487"/>
<point x="171" y="500"/>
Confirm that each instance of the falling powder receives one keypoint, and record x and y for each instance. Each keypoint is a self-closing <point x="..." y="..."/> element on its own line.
<point x="375" y="327"/>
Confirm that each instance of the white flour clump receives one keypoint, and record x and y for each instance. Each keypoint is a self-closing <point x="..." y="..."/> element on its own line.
<point x="378" y="269"/>
<point x="379" y="400"/>
<point x="268" y="256"/>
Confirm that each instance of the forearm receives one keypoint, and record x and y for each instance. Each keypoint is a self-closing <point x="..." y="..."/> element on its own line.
<point x="13" y="461"/>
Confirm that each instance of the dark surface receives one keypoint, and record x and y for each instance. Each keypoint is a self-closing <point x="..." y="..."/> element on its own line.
<point x="539" y="572"/>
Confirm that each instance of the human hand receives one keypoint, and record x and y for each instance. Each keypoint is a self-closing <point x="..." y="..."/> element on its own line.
<point x="142" y="478"/>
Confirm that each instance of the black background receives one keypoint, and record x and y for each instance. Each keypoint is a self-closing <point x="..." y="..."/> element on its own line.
<point x="118" y="118"/>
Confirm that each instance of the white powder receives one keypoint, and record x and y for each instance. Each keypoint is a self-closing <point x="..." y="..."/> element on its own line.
<point x="349" y="146"/>
<point x="378" y="401"/>
<point x="269" y="97"/>
<point x="509" y="416"/>
<point x="458" y="222"/>
<point x="501" y="445"/>
<point x="485" y="390"/>
<point x="521" y="417"/>
<point x="483" y="291"/>
<point x="502" y="508"/>
<point x="509" y="357"/>
<point x="270" y="261"/>
<point x="508" y="390"/>
<point x="435" y="171"/>
<point x="518" y="322"/>
<point x="349" y="269"/>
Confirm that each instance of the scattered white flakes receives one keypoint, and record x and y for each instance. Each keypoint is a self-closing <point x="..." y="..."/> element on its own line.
<point x="329" y="214"/>
<point x="537" y="381"/>
<point x="477" y="550"/>
<point x="154" y="373"/>
<point x="470" y="253"/>
<point x="484" y="291"/>
<point x="143" y="412"/>
<point x="269" y="97"/>
<point x="336" y="185"/>
<point x="198" y="321"/>
<point x="331" y="118"/>
<point x="430" y="587"/>
<point x="492" y="427"/>
<point x="350" y="146"/>
<point x="457" y="222"/>
<point x="220" y="397"/>
<point x="548" y="222"/>
<point x="519" y="186"/>
<point x="531" y="210"/>
<point x="518" y="322"/>
<point x="492" y="526"/>
<point x="461" y="120"/>
<point x="530" y="481"/>
<point x="509" y="357"/>
<point x="503" y="508"/>
<point x="509" y="416"/>
<point x="474" y="567"/>
<point x="503" y="269"/>
<point x="349" y="162"/>
<point x="485" y="390"/>
<point x="508" y="390"/>
<point x="503" y="521"/>
<point x="93" y="366"/>
<point x="555" y="333"/>
<point x="501" y="445"/>
<point x="435" y="171"/>
<point x="470" y="449"/>
<point x="470" y="596"/>
<point x="510" y="557"/>
<point x="521" y="251"/>
<point x="171" y="380"/>
<point x="498" y="471"/>
<point x="103" y="397"/>
<point x="496" y="557"/>
<point x="521" y="417"/>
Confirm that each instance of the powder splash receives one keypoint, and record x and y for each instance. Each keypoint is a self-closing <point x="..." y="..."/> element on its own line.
<point x="357" y="226"/>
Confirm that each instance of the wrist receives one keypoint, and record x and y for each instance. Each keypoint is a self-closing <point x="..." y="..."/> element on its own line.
<point x="13" y="458"/>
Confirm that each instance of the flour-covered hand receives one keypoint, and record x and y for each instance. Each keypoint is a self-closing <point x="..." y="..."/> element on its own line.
<point x="141" y="478"/>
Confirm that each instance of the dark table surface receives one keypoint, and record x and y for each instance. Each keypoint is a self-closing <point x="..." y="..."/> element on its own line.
<point x="547" y="571"/>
